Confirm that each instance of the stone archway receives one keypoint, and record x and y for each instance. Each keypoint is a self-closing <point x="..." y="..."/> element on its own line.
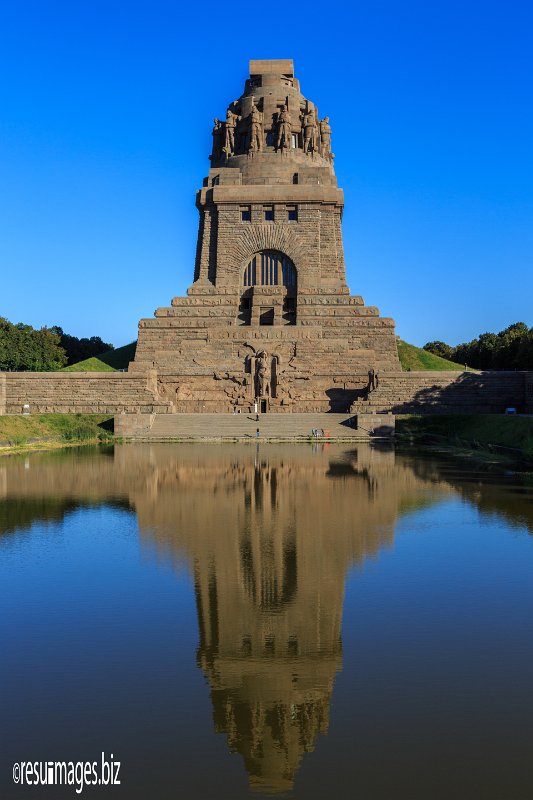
<point x="268" y="289"/>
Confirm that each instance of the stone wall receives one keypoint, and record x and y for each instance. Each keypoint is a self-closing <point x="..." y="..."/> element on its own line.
<point x="203" y="391"/>
<point x="77" y="392"/>
<point x="128" y="425"/>
<point x="446" y="393"/>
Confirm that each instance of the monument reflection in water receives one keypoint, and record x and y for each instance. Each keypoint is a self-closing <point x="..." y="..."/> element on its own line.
<point x="271" y="538"/>
<point x="270" y="534"/>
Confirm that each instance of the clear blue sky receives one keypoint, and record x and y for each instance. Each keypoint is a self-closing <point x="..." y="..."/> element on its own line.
<point x="106" y="112"/>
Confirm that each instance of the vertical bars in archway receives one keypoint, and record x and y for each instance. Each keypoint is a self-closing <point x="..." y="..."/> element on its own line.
<point x="274" y="268"/>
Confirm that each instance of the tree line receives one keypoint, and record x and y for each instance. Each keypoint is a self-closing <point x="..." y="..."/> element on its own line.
<point x="511" y="348"/>
<point x="45" y="349"/>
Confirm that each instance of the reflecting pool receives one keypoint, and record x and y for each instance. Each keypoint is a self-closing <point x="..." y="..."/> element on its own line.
<point x="307" y="621"/>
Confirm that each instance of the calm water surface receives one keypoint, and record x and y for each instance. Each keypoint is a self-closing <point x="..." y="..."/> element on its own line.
<point x="306" y="621"/>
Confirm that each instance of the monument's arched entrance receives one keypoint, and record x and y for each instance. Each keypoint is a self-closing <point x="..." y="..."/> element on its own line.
<point x="269" y="288"/>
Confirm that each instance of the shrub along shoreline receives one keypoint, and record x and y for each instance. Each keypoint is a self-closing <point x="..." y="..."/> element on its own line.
<point x="47" y="431"/>
<point x="498" y="434"/>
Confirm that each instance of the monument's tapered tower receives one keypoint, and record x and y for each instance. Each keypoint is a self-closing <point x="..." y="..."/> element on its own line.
<point x="269" y="318"/>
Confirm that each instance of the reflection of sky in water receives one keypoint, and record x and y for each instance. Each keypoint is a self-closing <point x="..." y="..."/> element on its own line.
<point x="367" y="609"/>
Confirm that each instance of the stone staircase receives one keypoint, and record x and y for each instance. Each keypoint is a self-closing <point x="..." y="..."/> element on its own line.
<point x="243" y="426"/>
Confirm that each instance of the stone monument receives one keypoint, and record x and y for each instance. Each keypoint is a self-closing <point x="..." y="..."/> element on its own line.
<point x="269" y="318"/>
<point x="268" y="322"/>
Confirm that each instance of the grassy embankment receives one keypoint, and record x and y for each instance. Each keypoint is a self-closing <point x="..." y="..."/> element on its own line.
<point x="106" y="362"/>
<point x="415" y="358"/>
<point x="46" y="431"/>
<point x="464" y="433"/>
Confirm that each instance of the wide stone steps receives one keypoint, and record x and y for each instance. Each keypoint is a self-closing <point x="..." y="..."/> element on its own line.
<point x="243" y="426"/>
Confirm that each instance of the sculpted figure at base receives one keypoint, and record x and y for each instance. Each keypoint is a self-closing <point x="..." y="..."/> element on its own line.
<point x="256" y="129"/>
<point x="262" y="381"/>
<point x="284" y="129"/>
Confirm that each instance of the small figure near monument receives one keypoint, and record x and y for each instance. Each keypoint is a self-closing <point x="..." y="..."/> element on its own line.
<point x="256" y="129"/>
<point x="231" y="124"/>
<point x="218" y="140"/>
<point x="373" y="380"/>
<point x="284" y="129"/>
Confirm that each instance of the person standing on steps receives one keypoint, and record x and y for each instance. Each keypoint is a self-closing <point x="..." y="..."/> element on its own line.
<point x="257" y="433"/>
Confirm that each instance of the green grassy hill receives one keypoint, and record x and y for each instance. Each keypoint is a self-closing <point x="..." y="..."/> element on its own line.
<point x="411" y="358"/>
<point x="106" y="362"/>
<point x="414" y="358"/>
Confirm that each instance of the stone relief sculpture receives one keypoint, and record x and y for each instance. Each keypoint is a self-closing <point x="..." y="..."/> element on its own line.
<point x="256" y="129"/>
<point x="231" y="124"/>
<point x="325" y="138"/>
<point x="275" y="388"/>
<point x="262" y="378"/>
<point x="310" y="131"/>
<point x="218" y="140"/>
<point x="284" y="129"/>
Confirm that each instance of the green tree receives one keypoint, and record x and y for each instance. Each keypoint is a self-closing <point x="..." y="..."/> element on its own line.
<point x="23" y="348"/>
<point x="439" y="349"/>
<point x="508" y="345"/>
<point x="80" y="349"/>
<point x="511" y="348"/>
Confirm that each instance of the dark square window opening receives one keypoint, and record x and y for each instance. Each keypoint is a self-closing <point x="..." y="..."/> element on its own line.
<point x="292" y="213"/>
<point x="268" y="214"/>
<point x="266" y="317"/>
<point x="246" y="214"/>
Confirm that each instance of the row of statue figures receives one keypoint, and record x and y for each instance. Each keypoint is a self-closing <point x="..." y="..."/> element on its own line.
<point x="316" y="134"/>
